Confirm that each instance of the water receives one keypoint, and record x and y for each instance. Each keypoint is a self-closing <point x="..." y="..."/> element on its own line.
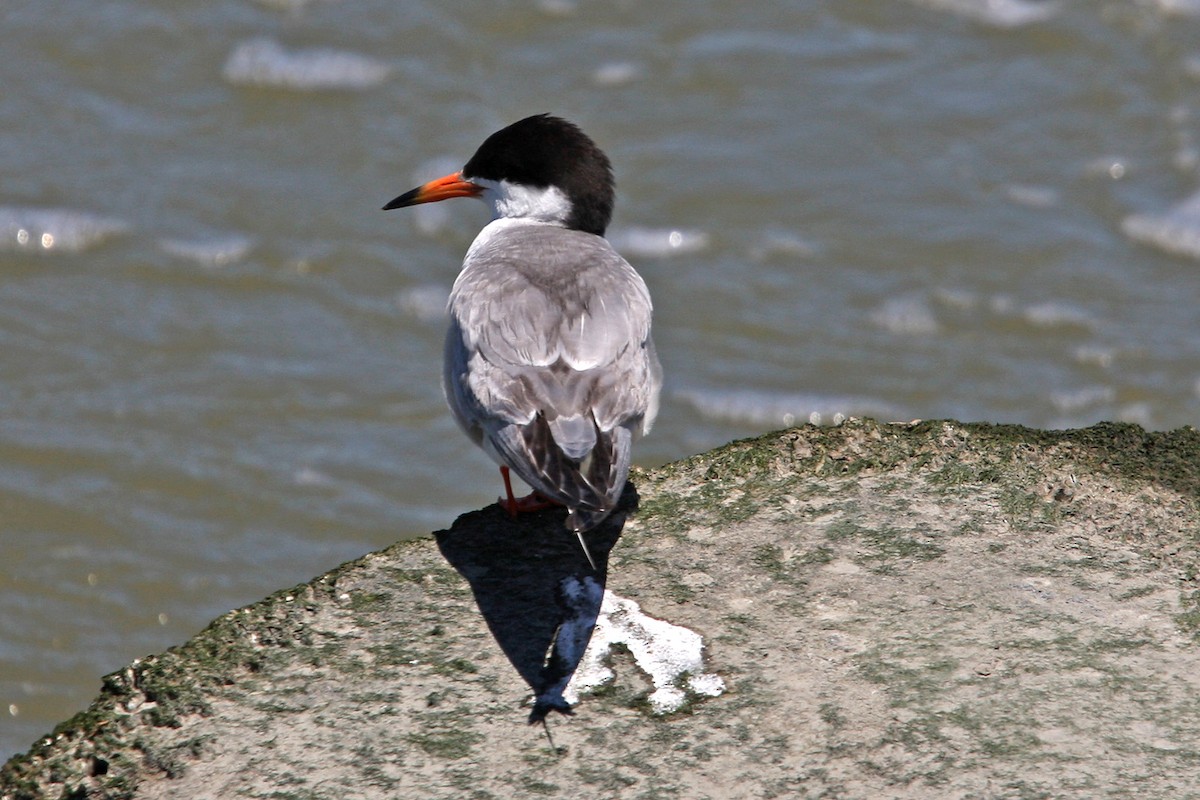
<point x="220" y="360"/>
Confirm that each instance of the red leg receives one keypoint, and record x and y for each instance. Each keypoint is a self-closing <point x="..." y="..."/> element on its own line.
<point x="517" y="505"/>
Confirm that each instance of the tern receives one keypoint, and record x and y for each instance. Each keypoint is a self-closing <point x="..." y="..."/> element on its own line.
<point x="549" y="363"/>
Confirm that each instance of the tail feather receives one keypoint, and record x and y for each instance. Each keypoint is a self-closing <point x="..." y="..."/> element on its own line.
<point x="576" y="436"/>
<point x="589" y="486"/>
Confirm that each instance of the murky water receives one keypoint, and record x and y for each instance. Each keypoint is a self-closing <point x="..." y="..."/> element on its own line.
<point x="220" y="360"/>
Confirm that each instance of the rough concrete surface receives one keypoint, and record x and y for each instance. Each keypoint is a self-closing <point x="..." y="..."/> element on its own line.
<point x="897" y="611"/>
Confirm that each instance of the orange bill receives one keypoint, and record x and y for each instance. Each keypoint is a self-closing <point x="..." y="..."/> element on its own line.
<point x="452" y="185"/>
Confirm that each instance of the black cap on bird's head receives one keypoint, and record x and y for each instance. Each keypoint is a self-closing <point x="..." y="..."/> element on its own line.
<point x="540" y="152"/>
<point x="544" y="151"/>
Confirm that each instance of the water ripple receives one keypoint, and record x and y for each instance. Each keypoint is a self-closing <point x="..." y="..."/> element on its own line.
<point x="49" y="229"/>
<point x="264" y="62"/>
<point x="1177" y="230"/>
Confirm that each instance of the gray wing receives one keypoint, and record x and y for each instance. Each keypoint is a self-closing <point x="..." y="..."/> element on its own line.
<point x="550" y="366"/>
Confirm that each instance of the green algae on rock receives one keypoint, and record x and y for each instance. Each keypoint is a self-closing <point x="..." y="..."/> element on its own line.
<point x="907" y="610"/>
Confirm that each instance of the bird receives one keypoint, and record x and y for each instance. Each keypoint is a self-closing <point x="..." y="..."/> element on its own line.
<point x="549" y="365"/>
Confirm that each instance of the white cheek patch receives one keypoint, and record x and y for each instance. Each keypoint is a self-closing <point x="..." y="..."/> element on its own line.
<point x="515" y="201"/>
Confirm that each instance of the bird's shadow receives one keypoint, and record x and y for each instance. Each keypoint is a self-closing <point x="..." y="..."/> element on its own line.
<point x="535" y="588"/>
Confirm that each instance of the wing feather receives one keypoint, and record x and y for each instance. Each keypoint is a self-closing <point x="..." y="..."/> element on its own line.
<point x="549" y="362"/>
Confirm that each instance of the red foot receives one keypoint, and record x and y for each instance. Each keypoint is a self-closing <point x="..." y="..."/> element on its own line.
<point x="521" y="505"/>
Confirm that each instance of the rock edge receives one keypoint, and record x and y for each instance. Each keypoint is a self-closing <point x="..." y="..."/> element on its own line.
<point x="933" y="609"/>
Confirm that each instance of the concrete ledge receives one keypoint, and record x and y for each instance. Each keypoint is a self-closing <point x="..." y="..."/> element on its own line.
<point x="927" y="610"/>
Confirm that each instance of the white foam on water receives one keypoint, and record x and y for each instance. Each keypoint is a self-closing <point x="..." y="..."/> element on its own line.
<point x="1074" y="400"/>
<point x="1044" y="314"/>
<point x="958" y="299"/>
<point x="1053" y="314"/>
<point x="1032" y="196"/>
<point x="773" y="409"/>
<point x="1001" y="304"/>
<point x="657" y="242"/>
<point x="54" y="229"/>
<point x="1114" y="167"/>
<point x="310" y="476"/>
<point x="209" y="252"/>
<point x="616" y="73"/>
<point x="264" y="62"/>
<point x="1177" y="230"/>
<point x="1186" y="158"/>
<point x="558" y="8"/>
<point x="1186" y="8"/>
<point x="671" y="655"/>
<point x="782" y="244"/>
<point x="908" y="315"/>
<point x="426" y="303"/>
<point x="996" y="13"/>
<point x="1094" y="355"/>
<point x="289" y="5"/>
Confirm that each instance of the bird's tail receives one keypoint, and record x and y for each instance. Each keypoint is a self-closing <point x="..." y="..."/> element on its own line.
<point x="589" y="486"/>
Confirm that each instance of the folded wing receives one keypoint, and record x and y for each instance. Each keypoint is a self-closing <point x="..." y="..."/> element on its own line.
<point x="550" y="365"/>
